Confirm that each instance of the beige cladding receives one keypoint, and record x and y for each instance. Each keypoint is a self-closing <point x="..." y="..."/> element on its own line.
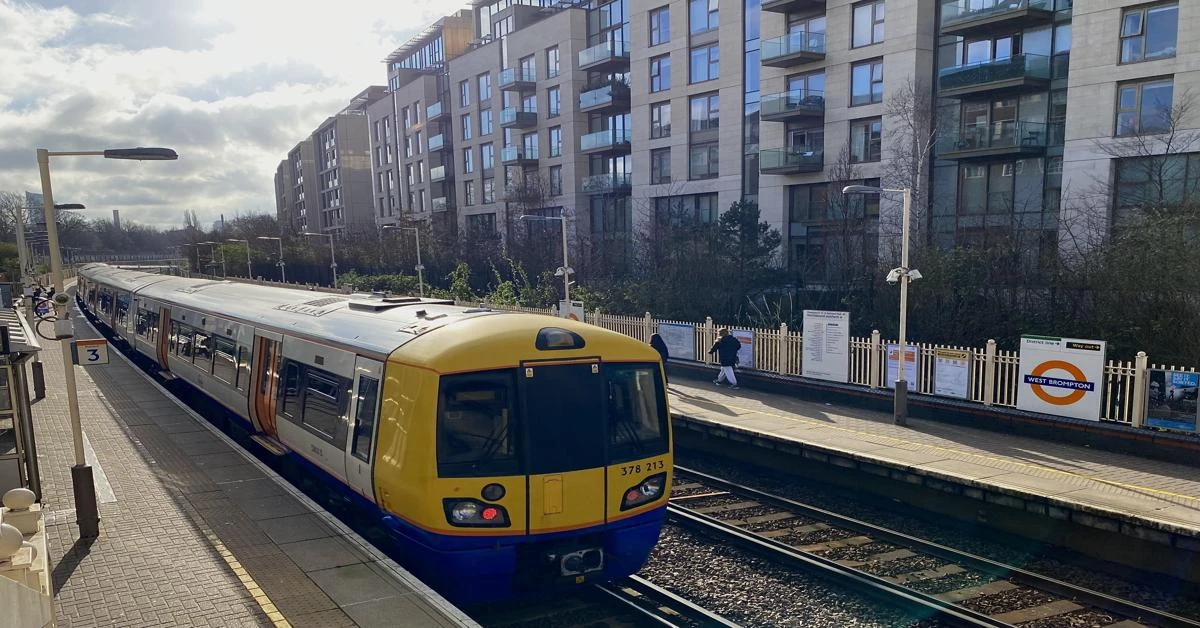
<point x="411" y="150"/>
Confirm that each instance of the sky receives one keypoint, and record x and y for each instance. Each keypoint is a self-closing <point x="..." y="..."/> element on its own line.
<point x="231" y="85"/>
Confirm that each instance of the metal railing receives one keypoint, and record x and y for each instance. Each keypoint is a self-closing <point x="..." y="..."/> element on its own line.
<point x="798" y="158"/>
<point x="606" y="183"/>
<point x="518" y="153"/>
<point x="434" y="110"/>
<point x="1022" y="66"/>
<point x="996" y="135"/>
<point x="437" y="173"/>
<point x="604" y="95"/>
<point x="793" y="101"/>
<point x="608" y="51"/>
<point x="513" y="115"/>
<point x="605" y="139"/>
<point x="792" y="44"/>
<point x="512" y="76"/>
<point x="437" y="142"/>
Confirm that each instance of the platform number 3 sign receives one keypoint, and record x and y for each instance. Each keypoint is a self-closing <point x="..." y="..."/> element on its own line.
<point x="90" y="352"/>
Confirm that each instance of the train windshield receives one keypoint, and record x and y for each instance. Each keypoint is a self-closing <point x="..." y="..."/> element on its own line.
<point x="571" y="417"/>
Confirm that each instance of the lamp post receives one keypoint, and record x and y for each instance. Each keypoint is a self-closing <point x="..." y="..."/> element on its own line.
<point x="212" y="257"/>
<point x="332" y="255"/>
<point x="904" y="275"/>
<point x="565" y="270"/>
<point x="282" y="274"/>
<point x="87" y="515"/>
<point x="249" y="269"/>
<point x="420" y="268"/>
<point x="39" y="376"/>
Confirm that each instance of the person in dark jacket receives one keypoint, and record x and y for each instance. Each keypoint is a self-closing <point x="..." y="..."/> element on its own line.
<point x="726" y="349"/>
<point x="660" y="345"/>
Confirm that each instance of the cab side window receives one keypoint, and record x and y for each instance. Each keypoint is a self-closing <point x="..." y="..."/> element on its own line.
<point x="364" y="418"/>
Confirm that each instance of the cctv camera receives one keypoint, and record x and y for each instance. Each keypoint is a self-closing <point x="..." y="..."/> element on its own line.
<point x="62" y="299"/>
<point x="893" y="276"/>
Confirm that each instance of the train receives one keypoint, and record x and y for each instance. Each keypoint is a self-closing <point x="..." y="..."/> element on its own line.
<point x="501" y="453"/>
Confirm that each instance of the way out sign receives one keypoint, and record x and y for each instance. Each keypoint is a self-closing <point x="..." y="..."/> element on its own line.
<point x="89" y="352"/>
<point x="1062" y="376"/>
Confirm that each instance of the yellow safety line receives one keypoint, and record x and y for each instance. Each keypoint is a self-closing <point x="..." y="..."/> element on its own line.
<point x="1073" y="474"/>
<point x="255" y="591"/>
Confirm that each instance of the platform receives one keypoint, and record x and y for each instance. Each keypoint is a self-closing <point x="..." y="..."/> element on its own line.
<point x="194" y="531"/>
<point x="1149" y="500"/>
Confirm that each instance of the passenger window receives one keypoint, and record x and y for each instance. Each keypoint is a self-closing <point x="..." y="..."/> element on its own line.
<point x="224" y="362"/>
<point x="243" y="368"/>
<point x="364" y="418"/>
<point x="202" y="354"/>
<point x="289" y="390"/>
<point x="183" y="341"/>
<point x="322" y="407"/>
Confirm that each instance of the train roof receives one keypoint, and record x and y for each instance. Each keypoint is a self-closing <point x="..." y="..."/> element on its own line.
<point x="366" y="322"/>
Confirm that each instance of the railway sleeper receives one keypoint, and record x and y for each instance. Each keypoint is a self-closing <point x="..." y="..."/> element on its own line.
<point x="1041" y="611"/>
<point x="882" y="557"/>
<point x="712" y="510"/>
<point x="926" y="574"/>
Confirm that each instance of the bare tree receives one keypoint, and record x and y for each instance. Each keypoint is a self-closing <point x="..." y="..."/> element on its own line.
<point x="912" y="130"/>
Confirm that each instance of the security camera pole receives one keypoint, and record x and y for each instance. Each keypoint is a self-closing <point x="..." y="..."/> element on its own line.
<point x="905" y="275"/>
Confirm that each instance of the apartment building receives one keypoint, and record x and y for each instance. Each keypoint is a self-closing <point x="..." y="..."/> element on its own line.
<point x="285" y="201"/>
<point x="302" y="179"/>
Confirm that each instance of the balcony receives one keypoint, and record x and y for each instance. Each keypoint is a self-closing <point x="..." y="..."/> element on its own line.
<point x="513" y="118"/>
<point x="793" y="6"/>
<point x="611" y="140"/>
<point x="518" y="80"/>
<point x="614" y="94"/>
<point x="612" y="183"/>
<point x="610" y="56"/>
<point x="439" y="204"/>
<point x="792" y="105"/>
<point x="519" y="155"/>
<point x="980" y="17"/>
<point x="1008" y="138"/>
<point x="1018" y="73"/>
<point x="437" y="173"/>
<point x="792" y="50"/>
<point x="437" y="142"/>
<point x="794" y="160"/>
<point x="435" y="111"/>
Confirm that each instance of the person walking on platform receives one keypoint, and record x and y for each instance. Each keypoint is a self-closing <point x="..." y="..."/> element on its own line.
<point x="726" y="349"/>
<point x="660" y="345"/>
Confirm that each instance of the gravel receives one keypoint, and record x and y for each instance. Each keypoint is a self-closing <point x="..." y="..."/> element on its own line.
<point x="814" y="537"/>
<point x="952" y="582"/>
<point x="1161" y="592"/>
<point x="1011" y="600"/>
<point x="1078" y="619"/>
<point x="781" y="524"/>
<point x="857" y="552"/>
<point x="755" y="592"/>
<point x="903" y="565"/>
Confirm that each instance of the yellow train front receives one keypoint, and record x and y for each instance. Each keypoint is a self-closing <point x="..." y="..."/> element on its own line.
<point x="517" y="452"/>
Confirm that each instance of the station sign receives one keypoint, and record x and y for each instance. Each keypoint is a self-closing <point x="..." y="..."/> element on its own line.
<point x="89" y="352"/>
<point x="1061" y="376"/>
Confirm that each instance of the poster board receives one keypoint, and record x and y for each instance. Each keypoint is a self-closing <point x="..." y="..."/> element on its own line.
<point x="680" y="339"/>
<point x="826" y="345"/>
<point x="911" y="368"/>
<point x="1061" y="376"/>
<point x="1171" y="399"/>
<point x="572" y="310"/>
<point x="746" y="351"/>
<point x="952" y="373"/>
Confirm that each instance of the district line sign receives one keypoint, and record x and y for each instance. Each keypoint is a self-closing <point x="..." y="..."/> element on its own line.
<point x="1061" y="376"/>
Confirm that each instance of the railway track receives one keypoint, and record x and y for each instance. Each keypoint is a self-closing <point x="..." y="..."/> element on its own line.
<point x="890" y="566"/>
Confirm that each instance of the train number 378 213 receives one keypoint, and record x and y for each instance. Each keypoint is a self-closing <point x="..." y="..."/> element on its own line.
<point x="649" y="465"/>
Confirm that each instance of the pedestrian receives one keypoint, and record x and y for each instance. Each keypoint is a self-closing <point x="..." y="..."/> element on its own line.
<point x="659" y="345"/>
<point x="726" y="349"/>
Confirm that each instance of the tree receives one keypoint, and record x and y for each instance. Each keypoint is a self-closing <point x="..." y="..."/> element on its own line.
<point x="912" y="130"/>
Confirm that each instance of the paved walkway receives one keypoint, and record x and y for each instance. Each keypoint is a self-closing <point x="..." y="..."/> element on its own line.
<point x="1160" y="492"/>
<point x="194" y="532"/>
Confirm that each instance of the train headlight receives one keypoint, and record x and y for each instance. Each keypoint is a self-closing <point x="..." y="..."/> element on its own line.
<point x="470" y="513"/>
<point x="645" y="492"/>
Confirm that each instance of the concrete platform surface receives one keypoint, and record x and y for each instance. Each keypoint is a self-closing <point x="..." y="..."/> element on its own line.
<point x="194" y="531"/>
<point x="1155" y="494"/>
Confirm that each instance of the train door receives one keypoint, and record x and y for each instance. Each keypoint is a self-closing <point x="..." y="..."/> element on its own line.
<point x="563" y="406"/>
<point x="265" y="384"/>
<point x="364" y="419"/>
<point x="165" y="334"/>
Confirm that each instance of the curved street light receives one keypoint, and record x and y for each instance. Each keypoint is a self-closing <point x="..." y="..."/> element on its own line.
<point x="420" y="268"/>
<point x="282" y="274"/>
<point x="249" y="269"/>
<point x="332" y="256"/>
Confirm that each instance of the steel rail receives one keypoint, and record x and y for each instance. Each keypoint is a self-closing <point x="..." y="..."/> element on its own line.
<point x="646" y="590"/>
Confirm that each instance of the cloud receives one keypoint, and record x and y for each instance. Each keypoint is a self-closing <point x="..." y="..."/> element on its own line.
<point x="231" y="85"/>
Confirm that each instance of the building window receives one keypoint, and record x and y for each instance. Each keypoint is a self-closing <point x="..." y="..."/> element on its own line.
<point x="556" y="181"/>
<point x="866" y="83"/>
<point x="489" y="190"/>
<point x="660" y="166"/>
<point x="553" y="102"/>
<point x="1156" y="181"/>
<point x="660" y="26"/>
<point x="481" y="225"/>
<point x="703" y="15"/>
<point x="552" y="62"/>
<point x="468" y="193"/>
<point x="468" y="160"/>
<point x="660" y="73"/>
<point x="866" y="138"/>
<point x="466" y="127"/>
<point x="1149" y="33"/>
<point x="417" y="142"/>
<point x="485" y="87"/>
<point x="486" y="159"/>
<point x="1144" y="107"/>
<point x="868" y="23"/>
<point x="704" y="161"/>
<point x="407" y="119"/>
<point x="706" y="63"/>
<point x="408" y="151"/>
<point x="464" y="93"/>
<point x="705" y="112"/>
<point x="555" y="141"/>
<point x="485" y="122"/>
<point x="660" y="120"/>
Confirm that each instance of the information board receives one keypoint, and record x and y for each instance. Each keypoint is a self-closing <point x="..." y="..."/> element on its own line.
<point x="911" y="370"/>
<point x="680" y="339"/>
<point x="746" y="351"/>
<point x="1171" y="399"/>
<point x="572" y="310"/>
<point x="826" y="345"/>
<point x="952" y="373"/>
<point x="1062" y="376"/>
